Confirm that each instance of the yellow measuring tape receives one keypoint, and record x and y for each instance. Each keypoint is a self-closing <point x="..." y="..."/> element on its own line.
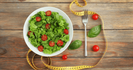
<point x="31" y="63"/>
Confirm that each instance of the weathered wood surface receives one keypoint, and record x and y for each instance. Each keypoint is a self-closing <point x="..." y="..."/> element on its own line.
<point x="105" y="64"/>
<point x="111" y="35"/>
<point x="65" y="1"/>
<point x="115" y="16"/>
<point x="118" y="44"/>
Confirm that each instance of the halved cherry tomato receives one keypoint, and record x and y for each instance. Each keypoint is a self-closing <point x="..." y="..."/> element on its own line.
<point x="44" y="37"/>
<point x="30" y="32"/>
<point x="51" y="43"/>
<point x="47" y="26"/>
<point x="60" y="43"/>
<point x="48" y="13"/>
<point x="38" y="19"/>
<point x="95" y="48"/>
<point x="40" y="48"/>
<point x="64" y="57"/>
<point x="95" y="17"/>
<point x="66" y="31"/>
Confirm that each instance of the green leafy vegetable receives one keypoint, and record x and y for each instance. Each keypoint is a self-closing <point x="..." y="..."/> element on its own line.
<point x="94" y="31"/>
<point x="55" y="33"/>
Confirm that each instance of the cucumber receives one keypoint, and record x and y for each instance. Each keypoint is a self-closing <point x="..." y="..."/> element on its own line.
<point x="75" y="45"/>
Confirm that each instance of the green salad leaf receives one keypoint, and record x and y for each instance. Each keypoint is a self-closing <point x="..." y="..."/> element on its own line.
<point x="57" y="25"/>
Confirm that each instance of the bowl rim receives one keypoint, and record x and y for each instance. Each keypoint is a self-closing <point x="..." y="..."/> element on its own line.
<point x="29" y="44"/>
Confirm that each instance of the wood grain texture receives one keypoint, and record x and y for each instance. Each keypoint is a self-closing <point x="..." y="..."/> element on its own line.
<point x="119" y="42"/>
<point x="112" y="35"/>
<point x="65" y="1"/>
<point x="105" y="64"/>
<point x="115" y="16"/>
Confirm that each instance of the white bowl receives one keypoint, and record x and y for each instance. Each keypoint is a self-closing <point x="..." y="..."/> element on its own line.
<point x="26" y="29"/>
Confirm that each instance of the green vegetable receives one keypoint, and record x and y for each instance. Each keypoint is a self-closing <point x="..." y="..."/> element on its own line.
<point x="75" y="45"/>
<point x="94" y="31"/>
<point x="55" y="33"/>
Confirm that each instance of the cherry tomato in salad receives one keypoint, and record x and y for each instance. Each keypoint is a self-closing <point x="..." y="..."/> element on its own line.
<point x="95" y="48"/>
<point x="40" y="48"/>
<point x="38" y="19"/>
<point x="44" y="37"/>
<point x="48" y="13"/>
<point x="95" y="17"/>
<point x="47" y="26"/>
<point x="64" y="57"/>
<point x="60" y="43"/>
<point x="29" y="33"/>
<point x="51" y="43"/>
<point x="66" y="31"/>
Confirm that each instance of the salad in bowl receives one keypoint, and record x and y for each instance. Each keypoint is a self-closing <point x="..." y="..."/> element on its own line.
<point x="48" y="31"/>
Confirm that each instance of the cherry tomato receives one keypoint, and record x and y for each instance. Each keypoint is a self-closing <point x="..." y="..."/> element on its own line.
<point x="38" y="19"/>
<point x="48" y="13"/>
<point x="51" y="43"/>
<point x="40" y="48"/>
<point x="66" y="31"/>
<point x="60" y="43"/>
<point x="44" y="37"/>
<point x="47" y="26"/>
<point x="95" y="17"/>
<point x="64" y="57"/>
<point x="95" y="48"/>
<point x="30" y="32"/>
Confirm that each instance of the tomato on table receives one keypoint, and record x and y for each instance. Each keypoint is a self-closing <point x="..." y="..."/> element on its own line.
<point x="44" y="37"/>
<point x="51" y="43"/>
<point x="47" y="26"/>
<point x="38" y="19"/>
<point x="95" y="48"/>
<point x="48" y="13"/>
<point x="64" y="57"/>
<point x="60" y="43"/>
<point x="40" y="48"/>
<point x="66" y="31"/>
<point x="94" y="16"/>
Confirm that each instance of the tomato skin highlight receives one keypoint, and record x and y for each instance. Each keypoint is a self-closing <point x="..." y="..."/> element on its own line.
<point x="47" y="26"/>
<point x="60" y="43"/>
<point x="66" y="31"/>
<point x="38" y="19"/>
<point x="48" y="13"/>
<point x="95" y="48"/>
<point x="40" y="48"/>
<point x="64" y="57"/>
<point x="95" y="17"/>
<point x="51" y="43"/>
<point x="44" y="37"/>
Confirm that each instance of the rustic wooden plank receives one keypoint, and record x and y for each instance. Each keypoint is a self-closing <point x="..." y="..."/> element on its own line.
<point x="112" y="35"/>
<point x="119" y="42"/>
<point x="105" y="64"/>
<point x="65" y="1"/>
<point x="115" y="15"/>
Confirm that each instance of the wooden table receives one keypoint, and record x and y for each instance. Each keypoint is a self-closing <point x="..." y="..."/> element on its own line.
<point x="118" y="17"/>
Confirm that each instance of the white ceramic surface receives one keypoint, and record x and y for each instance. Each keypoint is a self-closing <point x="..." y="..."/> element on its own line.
<point x="26" y="26"/>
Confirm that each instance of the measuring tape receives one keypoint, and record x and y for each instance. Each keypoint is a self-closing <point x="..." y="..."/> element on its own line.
<point x="31" y="63"/>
